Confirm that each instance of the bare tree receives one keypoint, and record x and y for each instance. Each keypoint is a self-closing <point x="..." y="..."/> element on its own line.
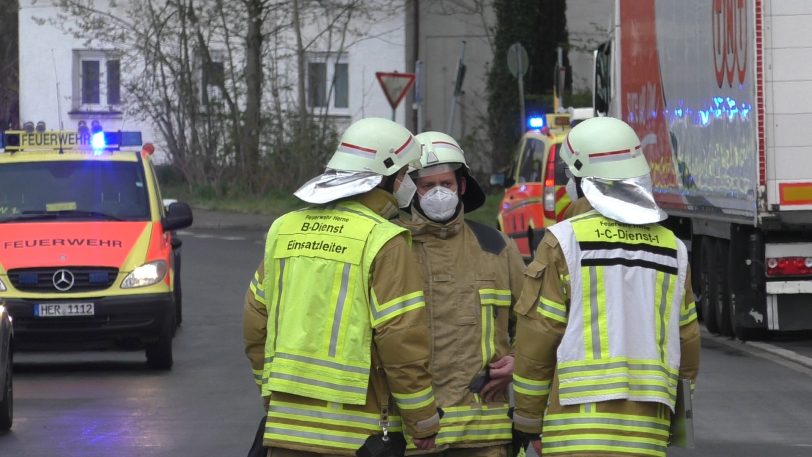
<point x="214" y="77"/>
<point x="9" y="65"/>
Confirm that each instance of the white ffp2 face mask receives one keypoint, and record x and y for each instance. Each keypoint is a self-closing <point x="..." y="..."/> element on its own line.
<point x="405" y="192"/>
<point x="439" y="203"/>
<point x="572" y="189"/>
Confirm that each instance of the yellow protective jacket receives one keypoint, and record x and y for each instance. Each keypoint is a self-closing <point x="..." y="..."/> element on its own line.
<point x="617" y="426"/>
<point x="335" y="316"/>
<point x="472" y="277"/>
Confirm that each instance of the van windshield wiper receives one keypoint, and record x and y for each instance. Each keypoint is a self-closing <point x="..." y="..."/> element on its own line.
<point x="86" y="213"/>
<point x="38" y="215"/>
<point x="30" y="216"/>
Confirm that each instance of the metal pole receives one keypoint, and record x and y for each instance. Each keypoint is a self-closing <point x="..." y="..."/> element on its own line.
<point x="521" y="104"/>
<point x="521" y="68"/>
<point x="457" y="91"/>
<point x="418" y="95"/>
<point x="559" y="82"/>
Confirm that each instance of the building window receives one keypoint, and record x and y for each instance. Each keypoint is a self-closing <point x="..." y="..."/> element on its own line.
<point x="96" y="80"/>
<point x="212" y="77"/>
<point x="113" y="82"/>
<point x="90" y="82"/>
<point x="328" y="82"/>
<point x="317" y="84"/>
<point x="342" y="82"/>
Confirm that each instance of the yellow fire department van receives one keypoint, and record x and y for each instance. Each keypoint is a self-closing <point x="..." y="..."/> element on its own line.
<point x="535" y="195"/>
<point x="87" y="255"/>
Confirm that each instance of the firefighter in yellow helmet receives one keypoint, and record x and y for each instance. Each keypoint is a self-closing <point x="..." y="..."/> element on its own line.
<point x="606" y="323"/>
<point x="334" y="319"/>
<point x="472" y="276"/>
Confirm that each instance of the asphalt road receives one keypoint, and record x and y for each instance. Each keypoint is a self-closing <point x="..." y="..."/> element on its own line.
<point x="751" y="400"/>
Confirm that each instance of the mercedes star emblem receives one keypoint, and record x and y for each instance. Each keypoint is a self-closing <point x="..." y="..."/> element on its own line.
<point x="63" y="280"/>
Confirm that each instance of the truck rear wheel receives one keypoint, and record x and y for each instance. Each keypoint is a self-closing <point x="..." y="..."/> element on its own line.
<point x="706" y="266"/>
<point x="747" y="296"/>
<point x="722" y="287"/>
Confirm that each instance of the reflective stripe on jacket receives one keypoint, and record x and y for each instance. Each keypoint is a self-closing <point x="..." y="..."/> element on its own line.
<point x="470" y="286"/>
<point x="314" y="350"/>
<point x="622" y="277"/>
<point x="546" y="311"/>
<point x="398" y="358"/>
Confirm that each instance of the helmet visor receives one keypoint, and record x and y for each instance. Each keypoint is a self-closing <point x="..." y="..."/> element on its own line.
<point x="334" y="184"/>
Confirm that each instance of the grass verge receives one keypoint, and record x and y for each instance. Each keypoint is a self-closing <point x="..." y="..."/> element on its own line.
<point x="276" y="203"/>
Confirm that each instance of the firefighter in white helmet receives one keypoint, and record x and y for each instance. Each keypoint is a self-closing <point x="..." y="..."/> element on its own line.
<point x="606" y="323"/>
<point x="334" y="319"/>
<point x="472" y="275"/>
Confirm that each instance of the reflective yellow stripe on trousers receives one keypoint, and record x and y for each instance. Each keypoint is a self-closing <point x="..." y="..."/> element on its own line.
<point x="464" y="423"/>
<point x="592" y="432"/>
<point x="312" y="425"/>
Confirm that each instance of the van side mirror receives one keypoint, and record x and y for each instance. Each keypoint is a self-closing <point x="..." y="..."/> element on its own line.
<point x="168" y="201"/>
<point x="178" y="216"/>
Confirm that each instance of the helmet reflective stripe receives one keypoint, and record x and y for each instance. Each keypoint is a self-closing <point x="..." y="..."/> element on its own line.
<point x="446" y="144"/>
<point x="375" y="145"/>
<point x="440" y="148"/>
<point x="357" y="150"/>
<point x="431" y="156"/>
<point x="604" y="147"/>
<point x="623" y="154"/>
<point x="404" y="146"/>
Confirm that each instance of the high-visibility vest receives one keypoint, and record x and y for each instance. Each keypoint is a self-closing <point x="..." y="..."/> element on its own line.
<point x="320" y="312"/>
<point x="627" y="287"/>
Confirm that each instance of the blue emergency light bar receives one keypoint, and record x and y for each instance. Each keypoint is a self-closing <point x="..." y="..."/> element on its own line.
<point x="107" y="140"/>
<point x="535" y="122"/>
<point x="13" y="141"/>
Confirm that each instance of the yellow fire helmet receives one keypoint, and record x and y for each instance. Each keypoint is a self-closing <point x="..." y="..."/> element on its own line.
<point x="441" y="153"/>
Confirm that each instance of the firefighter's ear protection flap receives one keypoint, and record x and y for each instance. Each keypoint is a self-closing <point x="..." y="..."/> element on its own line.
<point x="531" y="286"/>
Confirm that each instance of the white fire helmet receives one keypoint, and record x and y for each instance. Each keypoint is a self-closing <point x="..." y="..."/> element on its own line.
<point x="441" y="153"/>
<point x="369" y="149"/>
<point x="616" y="179"/>
<point x="604" y="147"/>
<point x="377" y="145"/>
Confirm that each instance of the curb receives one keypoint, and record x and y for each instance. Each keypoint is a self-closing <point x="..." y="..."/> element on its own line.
<point x="781" y="352"/>
<point x="219" y="220"/>
<point x="760" y="348"/>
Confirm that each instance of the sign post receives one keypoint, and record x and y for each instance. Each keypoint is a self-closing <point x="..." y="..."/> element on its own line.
<point x="395" y="87"/>
<point x="457" y="89"/>
<point x="517" y="61"/>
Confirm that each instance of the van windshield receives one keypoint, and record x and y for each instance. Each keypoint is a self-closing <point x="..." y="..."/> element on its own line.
<point x="73" y="190"/>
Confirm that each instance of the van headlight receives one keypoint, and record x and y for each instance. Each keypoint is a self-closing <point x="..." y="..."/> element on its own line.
<point x="145" y="275"/>
<point x="2" y="286"/>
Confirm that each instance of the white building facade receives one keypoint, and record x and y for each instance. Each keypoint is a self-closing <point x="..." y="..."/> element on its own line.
<point x="68" y="82"/>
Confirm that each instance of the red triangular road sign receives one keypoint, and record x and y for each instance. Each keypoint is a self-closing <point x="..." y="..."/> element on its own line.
<point x="395" y="86"/>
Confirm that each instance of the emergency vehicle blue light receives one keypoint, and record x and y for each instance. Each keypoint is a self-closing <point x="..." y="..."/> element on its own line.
<point x="97" y="141"/>
<point x="535" y="122"/>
